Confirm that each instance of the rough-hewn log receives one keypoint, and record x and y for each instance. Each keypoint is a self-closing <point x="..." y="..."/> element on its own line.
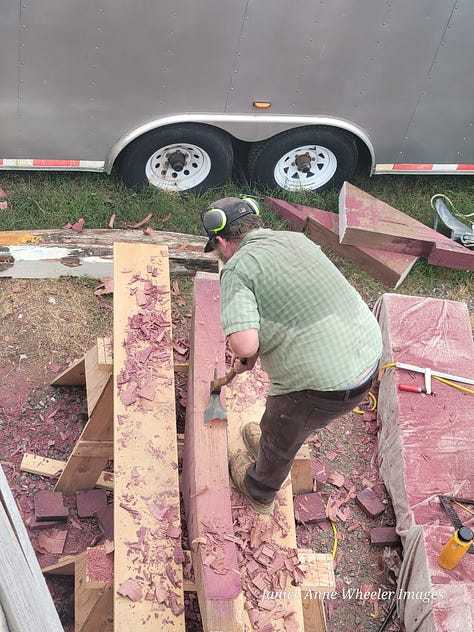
<point x="55" y="253"/>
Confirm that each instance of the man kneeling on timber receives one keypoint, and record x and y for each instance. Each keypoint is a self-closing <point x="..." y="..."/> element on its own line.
<point x="284" y="301"/>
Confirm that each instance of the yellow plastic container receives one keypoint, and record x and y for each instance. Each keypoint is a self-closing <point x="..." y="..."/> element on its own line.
<point x="455" y="548"/>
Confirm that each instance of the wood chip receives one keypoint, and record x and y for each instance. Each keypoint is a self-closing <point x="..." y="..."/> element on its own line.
<point x="131" y="589"/>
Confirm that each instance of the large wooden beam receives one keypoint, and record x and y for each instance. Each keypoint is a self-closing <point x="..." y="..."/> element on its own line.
<point x="205" y="479"/>
<point x="148" y="593"/>
<point x="366" y="221"/>
<point x="391" y="268"/>
<point x="55" y="253"/>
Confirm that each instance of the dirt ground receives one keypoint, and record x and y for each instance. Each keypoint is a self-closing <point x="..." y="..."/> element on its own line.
<point x="46" y="324"/>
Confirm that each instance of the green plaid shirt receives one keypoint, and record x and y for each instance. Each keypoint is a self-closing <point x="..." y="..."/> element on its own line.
<point x="315" y="331"/>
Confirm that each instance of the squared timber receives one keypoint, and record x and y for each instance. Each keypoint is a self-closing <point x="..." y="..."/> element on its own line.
<point x="368" y="222"/>
<point x="205" y="478"/>
<point x="146" y="495"/>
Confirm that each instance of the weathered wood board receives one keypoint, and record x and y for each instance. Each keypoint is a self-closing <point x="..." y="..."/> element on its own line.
<point x="148" y="580"/>
<point x="55" y="253"/>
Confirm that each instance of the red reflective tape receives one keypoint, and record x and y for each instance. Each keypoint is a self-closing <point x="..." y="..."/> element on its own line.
<point x="56" y="163"/>
<point x="465" y="168"/>
<point x="1" y="161"/>
<point x="412" y="167"/>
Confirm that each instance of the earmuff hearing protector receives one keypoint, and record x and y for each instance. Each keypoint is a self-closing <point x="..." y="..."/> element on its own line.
<point x="215" y="220"/>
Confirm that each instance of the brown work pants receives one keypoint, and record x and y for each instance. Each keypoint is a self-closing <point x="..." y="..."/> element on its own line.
<point x="287" y="421"/>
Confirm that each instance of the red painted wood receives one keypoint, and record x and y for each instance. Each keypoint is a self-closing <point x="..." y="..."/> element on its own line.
<point x="296" y="216"/>
<point x="425" y="445"/>
<point x="391" y="268"/>
<point x="366" y="221"/>
<point x="205" y="478"/>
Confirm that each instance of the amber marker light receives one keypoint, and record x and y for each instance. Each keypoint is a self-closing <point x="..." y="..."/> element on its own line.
<point x="262" y="105"/>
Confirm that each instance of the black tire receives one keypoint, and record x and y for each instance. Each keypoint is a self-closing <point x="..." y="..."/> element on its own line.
<point x="183" y="157"/>
<point x="329" y="154"/>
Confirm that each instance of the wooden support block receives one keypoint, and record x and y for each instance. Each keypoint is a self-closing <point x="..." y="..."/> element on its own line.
<point x="368" y="222"/>
<point x="309" y="508"/>
<point x="96" y="378"/>
<point x="74" y="375"/>
<point x="105" y="356"/>
<point x="370" y="503"/>
<point x="90" y="501"/>
<point x="384" y="536"/>
<point x="206" y="490"/>
<point x="49" y="506"/>
<point x="43" y="466"/>
<point x="82" y="472"/>
<point x="93" y="587"/>
<point x="148" y="592"/>
<point x="318" y="571"/>
<point x="105" y="518"/>
<point x="38" y="525"/>
<point x="301" y="475"/>
<point x="319" y="579"/>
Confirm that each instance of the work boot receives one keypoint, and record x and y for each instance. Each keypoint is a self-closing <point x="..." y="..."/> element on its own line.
<point x="251" y="434"/>
<point x="238" y="465"/>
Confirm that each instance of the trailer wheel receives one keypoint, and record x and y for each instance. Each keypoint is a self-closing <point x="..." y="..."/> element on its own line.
<point x="314" y="158"/>
<point x="181" y="157"/>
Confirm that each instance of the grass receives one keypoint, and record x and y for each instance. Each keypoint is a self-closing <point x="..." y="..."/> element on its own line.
<point x="40" y="200"/>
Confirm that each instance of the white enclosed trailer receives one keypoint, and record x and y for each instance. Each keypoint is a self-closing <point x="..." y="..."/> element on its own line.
<point x="167" y="89"/>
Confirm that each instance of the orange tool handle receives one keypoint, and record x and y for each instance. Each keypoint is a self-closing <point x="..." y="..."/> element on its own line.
<point x="411" y="389"/>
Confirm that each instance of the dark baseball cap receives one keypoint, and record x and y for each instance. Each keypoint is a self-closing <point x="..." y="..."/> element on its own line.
<point x="217" y="217"/>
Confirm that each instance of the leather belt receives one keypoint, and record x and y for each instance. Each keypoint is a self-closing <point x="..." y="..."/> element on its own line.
<point x="344" y="395"/>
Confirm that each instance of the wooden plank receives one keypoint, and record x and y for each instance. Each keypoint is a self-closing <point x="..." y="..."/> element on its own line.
<point x="74" y="375"/>
<point x="105" y="356"/>
<point x="318" y="571"/>
<point x="206" y="490"/>
<point x="104" y="449"/>
<point x="55" y="253"/>
<point x="314" y="615"/>
<point x="96" y="378"/>
<point x="245" y="400"/>
<point x="391" y="268"/>
<point x="65" y="566"/>
<point x="301" y="474"/>
<point x="146" y="497"/>
<point x="26" y="601"/>
<point x="368" y="222"/>
<point x="43" y="466"/>
<point x="82" y="472"/>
